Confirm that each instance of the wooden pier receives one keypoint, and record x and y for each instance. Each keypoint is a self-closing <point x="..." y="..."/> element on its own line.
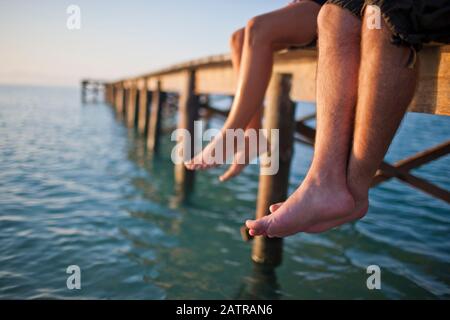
<point x="139" y="101"/>
<point x="92" y="90"/>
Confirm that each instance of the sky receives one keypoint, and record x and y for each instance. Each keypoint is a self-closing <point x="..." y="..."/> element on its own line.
<point x="116" y="38"/>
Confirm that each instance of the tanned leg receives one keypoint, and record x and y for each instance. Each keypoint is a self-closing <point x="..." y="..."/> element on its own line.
<point x="292" y="24"/>
<point x="237" y="46"/>
<point x="324" y="194"/>
<point x="386" y="87"/>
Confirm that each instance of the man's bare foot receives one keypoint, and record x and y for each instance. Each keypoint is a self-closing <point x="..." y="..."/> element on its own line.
<point x="314" y="207"/>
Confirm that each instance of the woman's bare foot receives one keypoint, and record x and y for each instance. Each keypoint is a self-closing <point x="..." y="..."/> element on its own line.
<point x="243" y="157"/>
<point x="316" y="206"/>
<point x="254" y="144"/>
<point x="212" y="155"/>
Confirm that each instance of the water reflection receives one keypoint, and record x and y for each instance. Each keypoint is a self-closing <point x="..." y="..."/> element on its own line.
<point x="261" y="284"/>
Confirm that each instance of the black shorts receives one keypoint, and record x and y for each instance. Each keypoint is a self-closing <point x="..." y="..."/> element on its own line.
<point x="412" y="22"/>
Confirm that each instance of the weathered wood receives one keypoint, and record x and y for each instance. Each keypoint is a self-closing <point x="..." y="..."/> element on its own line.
<point x="214" y="75"/>
<point x="83" y="91"/>
<point x="113" y="95"/>
<point x="110" y="94"/>
<point x="131" y="108"/>
<point x="125" y="98"/>
<point x="188" y="113"/>
<point x="92" y="89"/>
<point x="144" y="108"/>
<point x="416" y="161"/>
<point x="120" y="98"/>
<point x="154" y="127"/>
<point x="106" y="93"/>
<point x="136" y="110"/>
<point x="419" y="183"/>
<point x="433" y="89"/>
<point x="279" y="114"/>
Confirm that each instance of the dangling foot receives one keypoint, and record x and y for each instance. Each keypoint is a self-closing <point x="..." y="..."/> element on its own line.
<point x="243" y="157"/>
<point x="209" y="158"/>
<point x="314" y="207"/>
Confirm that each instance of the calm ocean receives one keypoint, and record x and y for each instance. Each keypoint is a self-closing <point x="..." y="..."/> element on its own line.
<point x="77" y="188"/>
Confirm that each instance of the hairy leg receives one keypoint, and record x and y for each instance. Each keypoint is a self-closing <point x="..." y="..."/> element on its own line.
<point x="293" y="24"/>
<point x="324" y="195"/>
<point x="386" y="87"/>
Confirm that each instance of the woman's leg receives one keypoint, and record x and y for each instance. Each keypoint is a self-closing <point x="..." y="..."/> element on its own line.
<point x="237" y="46"/>
<point x="294" y="24"/>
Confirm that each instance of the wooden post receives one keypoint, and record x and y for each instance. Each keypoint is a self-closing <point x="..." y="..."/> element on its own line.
<point x="187" y="113"/>
<point x="84" y="84"/>
<point x="112" y="100"/>
<point x="154" y="125"/>
<point x="107" y="93"/>
<point x="120" y="93"/>
<point x="136" y="110"/>
<point x="95" y="88"/>
<point x="143" y="116"/>
<point x="125" y="95"/>
<point x="279" y="114"/>
<point x="111" y="94"/>
<point x="131" y="107"/>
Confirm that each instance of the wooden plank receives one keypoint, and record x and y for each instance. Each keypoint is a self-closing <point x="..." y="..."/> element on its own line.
<point x="415" y="161"/>
<point x="216" y="80"/>
<point x="273" y="188"/>
<point x="419" y="183"/>
<point x="433" y="90"/>
<point x="302" y="64"/>
<point x="173" y="82"/>
<point x="214" y="76"/>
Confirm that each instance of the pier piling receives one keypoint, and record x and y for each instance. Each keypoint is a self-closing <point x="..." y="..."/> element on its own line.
<point x="188" y="113"/>
<point x="144" y="102"/>
<point x="279" y="114"/>
<point x="120" y="98"/>
<point x="154" y="125"/>
<point x="131" y="108"/>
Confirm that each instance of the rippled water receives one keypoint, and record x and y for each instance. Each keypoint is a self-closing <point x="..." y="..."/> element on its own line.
<point x="76" y="187"/>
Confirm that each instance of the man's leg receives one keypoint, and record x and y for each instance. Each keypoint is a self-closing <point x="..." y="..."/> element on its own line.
<point x="386" y="87"/>
<point x="296" y="23"/>
<point x="324" y="195"/>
